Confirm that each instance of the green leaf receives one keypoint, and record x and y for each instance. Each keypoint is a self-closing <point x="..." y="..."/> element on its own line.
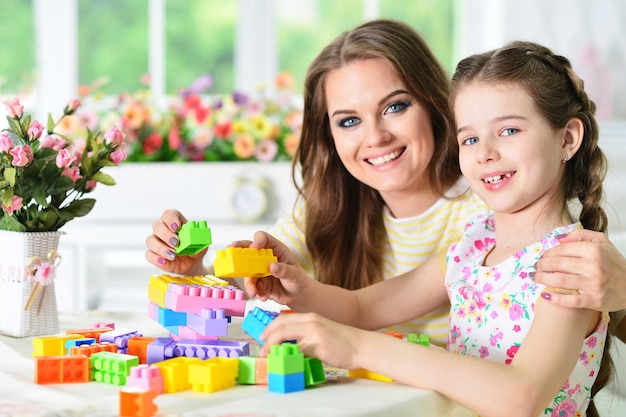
<point x="50" y="126"/>
<point x="103" y="178"/>
<point x="79" y="208"/>
<point x="7" y="196"/>
<point x="9" y="175"/>
<point x="11" y="224"/>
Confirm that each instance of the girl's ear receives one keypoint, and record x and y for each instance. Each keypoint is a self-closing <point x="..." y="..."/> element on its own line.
<point x="572" y="138"/>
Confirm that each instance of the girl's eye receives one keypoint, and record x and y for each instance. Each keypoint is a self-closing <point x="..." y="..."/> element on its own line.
<point x="396" y="107"/>
<point x="348" y="122"/>
<point x="470" y="141"/>
<point x="509" y="131"/>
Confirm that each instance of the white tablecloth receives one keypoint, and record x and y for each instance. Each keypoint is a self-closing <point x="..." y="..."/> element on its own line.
<point x="341" y="396"/>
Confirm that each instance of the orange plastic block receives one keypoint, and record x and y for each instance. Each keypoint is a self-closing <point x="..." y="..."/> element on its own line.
<point x="175" y="373"/>
<point x="61" y="369"/>
<point x="397" y="335"/>
<point x="135" y="402"/>
<point x="52" y="345"/>
<point x="243" y="262"/>
<point x="138" y="346"/>
<point x="260" y="371"/>
<point x="213" y="374"/>
<point x="89" y="350"/>
<point x="94" y="332"/>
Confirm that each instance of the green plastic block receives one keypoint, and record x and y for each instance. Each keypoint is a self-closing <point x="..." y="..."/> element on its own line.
<point x="193" y="237"/>
<point x="285" y="359"/>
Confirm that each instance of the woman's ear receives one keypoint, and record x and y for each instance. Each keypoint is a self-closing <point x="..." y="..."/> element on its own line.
<point x="572" y="138"/>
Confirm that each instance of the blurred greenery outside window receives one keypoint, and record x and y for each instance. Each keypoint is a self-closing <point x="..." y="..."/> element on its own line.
<point x="113" y="38"/>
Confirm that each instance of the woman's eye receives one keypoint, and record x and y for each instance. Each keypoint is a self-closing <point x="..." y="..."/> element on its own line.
<point x="348" y="122"/>
<point x="509" y="131"/>
<point x="470" y="141"/>
<point x="396" y="107"/>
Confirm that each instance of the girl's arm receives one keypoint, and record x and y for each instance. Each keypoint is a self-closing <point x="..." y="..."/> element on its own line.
<point x="418" y="291"/>
<point x="525" y="387"/>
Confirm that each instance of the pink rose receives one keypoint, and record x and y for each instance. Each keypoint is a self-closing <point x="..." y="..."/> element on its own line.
<point x="53" y="141"/>
<point x="72" y="106"/>
<point x="117" y="157"/>
<point x="72" y="172"/>
<point x="90" y="185"/>
<point x="64" y="158"/>
<point x="5" y="141"/>
<point x="14" y="107"/>
<point x="114" y="136"/>
<point x="16" y="204"/>
<point x="22" y="155"/>
<point x="35" y="129"/>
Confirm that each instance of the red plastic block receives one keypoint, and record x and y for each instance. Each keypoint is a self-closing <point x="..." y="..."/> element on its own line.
<point x="89" y="350"/>
<point x="135" y="402"/>
<point x="61" y="369"/>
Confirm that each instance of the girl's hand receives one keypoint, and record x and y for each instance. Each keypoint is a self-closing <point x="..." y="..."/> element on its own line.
<point x="288" y="280"/>
<point x="161" y="246"/>
<point x="332" y="343"/>
<point x="589" y="268"/>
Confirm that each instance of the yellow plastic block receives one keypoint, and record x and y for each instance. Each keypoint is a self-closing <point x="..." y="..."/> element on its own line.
<point x="213" y="374"/>
<point x="175" y="373"/>
<point x="52" y="345"/>
<point x="243" y="262"/>
<point x="365" y="374"/>
<point x="159" y="284"/>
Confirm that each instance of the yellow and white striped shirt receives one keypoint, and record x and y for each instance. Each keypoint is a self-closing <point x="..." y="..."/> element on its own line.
<point x="412" y="240"/>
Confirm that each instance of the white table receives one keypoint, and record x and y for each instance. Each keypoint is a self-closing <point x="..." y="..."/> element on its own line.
<point x="342" y="396"/>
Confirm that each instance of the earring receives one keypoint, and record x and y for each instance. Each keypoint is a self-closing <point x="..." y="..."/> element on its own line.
<point x="565" y="158"/>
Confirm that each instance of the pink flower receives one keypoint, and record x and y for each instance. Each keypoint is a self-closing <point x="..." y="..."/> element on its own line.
<point x="22" y="155"/>
<point x="53" y="141"/>
<point x="16" y="204"/>
<point x="114" y="136"/>
<point x="5" y="141"/>
<point x="14" y="107"/>
<point x="511" y="352"/>
<point x="72" y="172"/>
<point x="35" y="129"/>
<point x="72" y="106"/>
<point x="117" y="157"/>
<point x="90" y="185"/>
<point x="266" y="150"/>
<point x="64" y="158"/>
<point x="592" y="342"/>
<point x="484" y="352"/>
<point x="516" y="311"/>
<point x="566" y="408"/>
<point x="44" y="272"/>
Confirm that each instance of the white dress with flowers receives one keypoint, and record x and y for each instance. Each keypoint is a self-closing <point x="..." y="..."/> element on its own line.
<point x="492" y="308"/>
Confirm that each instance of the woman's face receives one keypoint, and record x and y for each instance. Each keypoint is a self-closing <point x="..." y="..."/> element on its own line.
<point x="382" y="133"/>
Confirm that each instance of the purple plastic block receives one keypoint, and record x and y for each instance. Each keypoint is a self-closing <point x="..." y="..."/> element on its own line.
<point x="120" y="338"/>
<point x="210" y="322"/>
<point x="156" y="351"/>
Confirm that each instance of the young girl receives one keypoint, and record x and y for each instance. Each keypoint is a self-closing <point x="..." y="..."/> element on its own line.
<point x="528" y="146"/>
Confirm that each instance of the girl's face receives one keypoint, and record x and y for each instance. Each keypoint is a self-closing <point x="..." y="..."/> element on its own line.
<point x="382" y="134"/>
<point x="509" y="153"/>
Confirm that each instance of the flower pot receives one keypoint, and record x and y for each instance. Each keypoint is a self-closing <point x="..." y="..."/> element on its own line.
<point x="28" y="304"/>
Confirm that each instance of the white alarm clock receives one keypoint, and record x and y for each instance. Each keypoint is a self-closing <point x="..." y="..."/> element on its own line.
<point x="250" y="199"/>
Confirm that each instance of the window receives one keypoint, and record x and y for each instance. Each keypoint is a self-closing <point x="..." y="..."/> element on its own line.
<point x="17" y="51"/>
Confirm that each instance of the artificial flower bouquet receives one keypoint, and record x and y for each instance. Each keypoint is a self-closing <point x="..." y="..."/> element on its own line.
<point x="198" y="126"/>
<point x="44" y="176"/>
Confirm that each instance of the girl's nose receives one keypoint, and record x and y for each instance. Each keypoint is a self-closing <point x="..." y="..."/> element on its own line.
<point x="486" y="150"/>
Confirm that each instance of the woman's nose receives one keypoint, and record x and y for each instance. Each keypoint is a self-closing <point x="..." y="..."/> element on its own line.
<point x="378" y="134"/>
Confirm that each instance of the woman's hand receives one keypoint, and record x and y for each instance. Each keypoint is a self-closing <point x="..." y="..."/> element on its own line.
<point x="589" y="268"/>
<point x="161" y="246"/>
<point x="288" y="280"/>
<point x="332" y="343"/>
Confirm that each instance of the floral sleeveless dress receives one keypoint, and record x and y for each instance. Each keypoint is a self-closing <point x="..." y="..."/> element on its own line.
<point x="492" y="309"/>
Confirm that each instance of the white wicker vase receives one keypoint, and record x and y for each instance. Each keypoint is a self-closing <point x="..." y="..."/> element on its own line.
<point x="17" y="251"/>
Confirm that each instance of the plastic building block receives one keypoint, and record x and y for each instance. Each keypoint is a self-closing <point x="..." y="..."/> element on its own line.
<point x="256" y="321"/>
<point x="213" y="374"/>
<point x="120" y="337"/>
<point x="138" y="346"/>
<point x="135" y="402"/>
<point x="313" y="372"/>
<point x="285" y="359"/>
<point x="61" y="369"/>
<point x="145" y="377"/>
<point x="52" y="345"/>
<point x="397" y="335"/>
<point x="243" y="262"/>
<point x="193" y="237"/>
<point x="247" y="370"/>
<point x="420" y="339"/>
<point x="260" y="374"/>
<point x="69" y="344"/>
<point x="112" y="368"/>
<point x="365" y="374"/>
<point x="285" y="383"/>
<point x="89" y="350"/>
<point x="93" y="332"/>
<point x="102" y="324"/>
<point x="210" y="322"/>
<point x="166" y="317"/>
<point x="175" y="373"/>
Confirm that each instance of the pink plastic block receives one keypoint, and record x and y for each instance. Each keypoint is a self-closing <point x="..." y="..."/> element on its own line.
<point x="192" y="299"/>
<point x="188" y="334"/>
<point x="146" y="377"/>
<point x="104" y="324"/>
